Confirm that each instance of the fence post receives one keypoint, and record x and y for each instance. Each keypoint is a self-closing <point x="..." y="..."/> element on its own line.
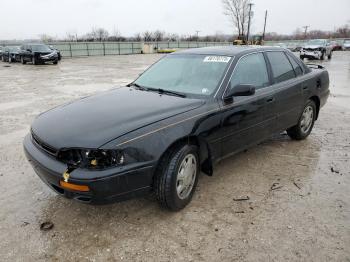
<point x="87" y="49"/>
<point x="119" y="48"/>
<point x="70" y="49"/>
<point x="132" y="47"/>
<point x="104" y="48"/>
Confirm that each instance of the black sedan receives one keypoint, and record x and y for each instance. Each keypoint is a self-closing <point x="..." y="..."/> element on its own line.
<point x="179" y="118"/>
<point x="11" y="54"/>
<point x="39" y="54"/>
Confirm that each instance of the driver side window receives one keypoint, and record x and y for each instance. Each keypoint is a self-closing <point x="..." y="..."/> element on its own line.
<point x="251" y="70"/>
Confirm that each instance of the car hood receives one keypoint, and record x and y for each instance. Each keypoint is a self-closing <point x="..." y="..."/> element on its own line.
<point x="313" y="46"/>
<point x="93" y="121"/>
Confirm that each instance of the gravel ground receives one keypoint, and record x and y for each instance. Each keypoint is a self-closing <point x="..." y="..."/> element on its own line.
<point x="305" y="218"/>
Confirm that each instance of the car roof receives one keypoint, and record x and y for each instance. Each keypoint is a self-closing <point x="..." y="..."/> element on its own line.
<point x="231" y="50"/>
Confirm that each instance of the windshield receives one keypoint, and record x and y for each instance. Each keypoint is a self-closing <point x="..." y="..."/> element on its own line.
<point x="14" y="49"/>
<point x="41" y="48"/>
<point x="189" y="74"/>
<point x="316" y="42"/>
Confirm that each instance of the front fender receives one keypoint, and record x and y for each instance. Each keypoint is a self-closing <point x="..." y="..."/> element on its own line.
<point x="151" y="142"/>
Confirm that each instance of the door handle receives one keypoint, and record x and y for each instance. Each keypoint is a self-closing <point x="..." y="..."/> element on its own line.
<point x="305" y="87"/>
<point x="270" y="99"/>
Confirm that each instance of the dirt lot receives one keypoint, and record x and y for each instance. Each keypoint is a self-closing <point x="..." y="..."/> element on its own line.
<point x="307" y="218"/>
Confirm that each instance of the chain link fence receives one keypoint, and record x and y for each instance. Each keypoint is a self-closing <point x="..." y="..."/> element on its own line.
<point x="76" y="49"/>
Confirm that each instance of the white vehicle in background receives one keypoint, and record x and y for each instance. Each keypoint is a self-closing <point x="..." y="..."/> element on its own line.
<point x="346" y="44"/>
<point x="316" y="49"/>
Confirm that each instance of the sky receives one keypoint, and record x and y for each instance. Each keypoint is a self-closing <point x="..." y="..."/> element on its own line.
<point x="31" y="18"/>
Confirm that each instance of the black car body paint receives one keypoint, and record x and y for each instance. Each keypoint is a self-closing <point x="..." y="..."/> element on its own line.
<point x="39" y="54"/>
<point x="145" y="125"/>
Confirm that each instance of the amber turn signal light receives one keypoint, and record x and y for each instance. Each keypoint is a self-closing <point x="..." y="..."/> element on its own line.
<point x="81" y="188"/>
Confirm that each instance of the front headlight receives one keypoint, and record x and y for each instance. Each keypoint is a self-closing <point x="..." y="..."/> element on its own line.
<point x="92" y="158"/>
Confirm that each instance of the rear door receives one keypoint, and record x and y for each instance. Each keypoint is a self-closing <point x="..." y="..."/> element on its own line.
<point x="288" y="89"/>
<point x="244" y="119"/>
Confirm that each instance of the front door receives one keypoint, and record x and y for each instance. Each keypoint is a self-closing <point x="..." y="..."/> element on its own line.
<point x="245" y="119"/>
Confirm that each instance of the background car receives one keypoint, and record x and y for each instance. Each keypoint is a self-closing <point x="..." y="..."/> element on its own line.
<point x="58" y="52"/>
<point x="38" y="54"/>
<point x="336" y="46"/>
<point x="346" y="44"/>
<point x="316" y="49"/>
<point x="11" y="54"/>
<point x="1" y="48"/>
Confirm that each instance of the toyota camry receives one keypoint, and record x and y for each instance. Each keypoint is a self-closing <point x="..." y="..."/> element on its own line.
<point x="179" y="118"/>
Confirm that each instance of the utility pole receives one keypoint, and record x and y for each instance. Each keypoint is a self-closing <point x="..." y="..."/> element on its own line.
<point x="263" y="36"/>
<point x="197" y="31"/>
<point x="305" y="32"/>
<point x="250" y="14"/>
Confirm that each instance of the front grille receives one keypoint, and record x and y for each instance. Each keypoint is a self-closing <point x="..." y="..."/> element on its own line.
<point x="42" y="145"/>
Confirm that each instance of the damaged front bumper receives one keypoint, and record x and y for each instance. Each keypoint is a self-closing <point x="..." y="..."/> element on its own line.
<point x="105" y="186"/>
<point x="313" y="54"/>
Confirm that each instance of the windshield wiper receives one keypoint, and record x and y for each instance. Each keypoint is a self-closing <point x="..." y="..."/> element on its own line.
<point x="159" y="90"/>
<point x="137" y="86"/>
<point x="168" y="92"/>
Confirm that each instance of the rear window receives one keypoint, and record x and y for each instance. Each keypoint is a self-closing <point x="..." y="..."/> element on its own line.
<point x="282" y="69"/>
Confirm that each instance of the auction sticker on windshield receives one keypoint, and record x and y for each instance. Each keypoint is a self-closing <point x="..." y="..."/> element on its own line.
<point x="216" y="59"/>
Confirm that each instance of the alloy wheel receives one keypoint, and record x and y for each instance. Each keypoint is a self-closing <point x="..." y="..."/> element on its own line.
<point x="307" y="119"/>
<point x="186" y="176"/>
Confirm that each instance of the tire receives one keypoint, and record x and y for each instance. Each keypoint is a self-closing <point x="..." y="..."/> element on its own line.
<point x="302" y="130"/>
<point x="23" y="61"/>
<point x="330" y="56"/>
<point x="55" y="62"/>
<point x="167" y="184"/>
<point x="322" y="56"/>
<point x="34" y="61"/>
<point x="302" y="57"/>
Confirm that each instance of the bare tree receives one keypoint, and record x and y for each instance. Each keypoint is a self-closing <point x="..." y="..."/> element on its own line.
<point x="238" y="13"/>
<point x="158" y="35"/>
<point x="46" y="38"/>
<point x="138" y="37"/>
<point x="147" y="36"/>
<point x="71" y="36"/>
<point x="97" y="34"/>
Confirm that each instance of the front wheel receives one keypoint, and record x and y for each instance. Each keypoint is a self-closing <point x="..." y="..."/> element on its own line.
<point x="176" y="177"/>
<point x="330" y="56"/>
<point x="322" y="55"/>
<point x="305" y="124"/>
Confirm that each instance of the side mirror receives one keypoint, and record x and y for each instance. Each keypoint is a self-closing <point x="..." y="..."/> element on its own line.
<point x="240" y="90"/>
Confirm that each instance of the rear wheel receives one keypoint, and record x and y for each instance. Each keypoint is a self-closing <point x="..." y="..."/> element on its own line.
<point x="55" y="62"/>
<point x="305" y="124"/>
<point x="176" y="177"/>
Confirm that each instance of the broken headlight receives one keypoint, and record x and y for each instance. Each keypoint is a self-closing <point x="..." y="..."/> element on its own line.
<point x="92" y="158"/>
